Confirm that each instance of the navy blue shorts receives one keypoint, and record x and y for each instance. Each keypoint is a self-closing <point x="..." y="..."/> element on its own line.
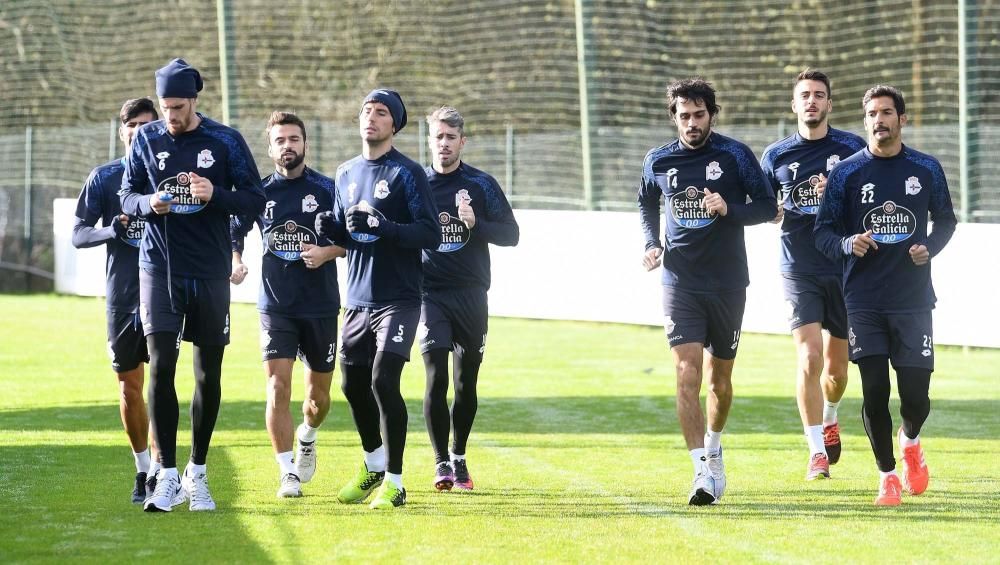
<point x="312" y="340"/>
<point x="816" y="299"/>
<point x="454" y="319"/>
<point x="389" y="328"/>
<point x="195" y="309"/>
<point x="711" y="319"/>
<point x="907" y="338"/>
<point x="126" y="344"/>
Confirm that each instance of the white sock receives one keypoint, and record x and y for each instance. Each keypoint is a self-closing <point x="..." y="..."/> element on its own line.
<point x="154" y="467"/>
<point x="884" y="474"/>
<point x="375" y="460"/>
<point x="165" y="472"/>
<point x="285" y="462"/>
<point x="307" y="433"/>
<point x="698" y="458"/>
<point x="908" y="442"/>
<point x="193" y="470"/>
<point x="814" y="435"/>
<point x="713" y="442"/>
<point x="141" y="460"/>
<point x="395" y="479"/>
<point x="456" y="457"/>
<point x="830" y="412"/>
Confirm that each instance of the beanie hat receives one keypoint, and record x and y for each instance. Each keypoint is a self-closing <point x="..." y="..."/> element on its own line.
<point x="393" y="102"/>
<point x="178" y="80"/>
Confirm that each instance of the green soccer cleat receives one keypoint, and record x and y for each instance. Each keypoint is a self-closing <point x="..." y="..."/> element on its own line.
<point x="388" y="497"/>
<point x="356" y="491"/>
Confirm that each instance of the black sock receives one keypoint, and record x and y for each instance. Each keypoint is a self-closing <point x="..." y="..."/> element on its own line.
<point x="386" y="372"/>
<point x="207" y="398"/>
<point x="463" y="410"/>
<point x="436" y="402"/>
<point x="875" y="408"/>
<point x="162" y="396"/>
<point x="356" y="384"/>
<point x="914" y="401"/>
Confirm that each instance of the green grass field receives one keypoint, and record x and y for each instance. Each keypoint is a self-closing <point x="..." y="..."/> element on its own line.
<point x="576" y="455"/>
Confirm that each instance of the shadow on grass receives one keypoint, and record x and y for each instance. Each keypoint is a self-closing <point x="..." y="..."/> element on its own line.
<point x="967" y="419"/>
<point x="73" y="504"/>
<point x="854" y="504"/>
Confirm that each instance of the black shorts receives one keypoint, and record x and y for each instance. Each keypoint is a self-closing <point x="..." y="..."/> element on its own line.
<point x="198" y="307"/>
<point x="455" y="319"/>
<point x="366" y="332"/>
<point x="907" y="338"/>
<point x="711" y="319"/>
<point x="126" y="344"/>
<point x="313" y="340"/>
<point x="816" y="299"/>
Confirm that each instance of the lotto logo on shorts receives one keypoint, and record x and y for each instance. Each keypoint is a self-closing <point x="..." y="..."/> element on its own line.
<point x="686" y="210"/>
<point x="890" y="223"/>
<point x="179" y="187"/>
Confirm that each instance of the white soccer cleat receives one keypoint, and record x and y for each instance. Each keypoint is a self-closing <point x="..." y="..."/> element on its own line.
<point x="290" y="486"/>
<point x="717" y="469"/>
<point x="305" y="460"/>
<point x="702" y="489"/>
<point x="196" y="488"/>
<point x="168" y="493"/>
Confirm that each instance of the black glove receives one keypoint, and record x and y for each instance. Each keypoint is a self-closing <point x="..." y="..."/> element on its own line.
<point x="360" y="221"/>
<point x="325" y="224"/>
<point x="120" y="229"/>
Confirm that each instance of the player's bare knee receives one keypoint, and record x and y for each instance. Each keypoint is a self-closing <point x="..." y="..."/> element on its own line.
<point x="810" y="361"/>
<point x="279" y="390"/>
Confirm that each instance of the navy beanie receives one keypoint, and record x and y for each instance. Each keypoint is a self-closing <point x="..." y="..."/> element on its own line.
<point x="393" y="102"/>
<point x="178" y="80"/>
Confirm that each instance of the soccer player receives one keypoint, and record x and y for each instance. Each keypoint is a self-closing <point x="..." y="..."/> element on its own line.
<point x="705" y="179"/>
<point x="383" y="214"/>
<point x="796" y="167"/>
<point x="121" y="234"/>
<point x="874" y="215"/>
<point x="299" y="298"/>
<point x="473" y="213"/>
<point x="185" y="174"/>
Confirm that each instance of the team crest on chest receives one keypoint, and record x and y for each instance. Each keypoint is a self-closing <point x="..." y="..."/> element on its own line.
<point x="713" y="171"/>
<point x="352" y="189"/>
<point x="462" y="196"/>
<point x="309" y="204"/>
<point x="831" y="161"/>
<point x="913" y="185"/>
<point x="381" y="189"/>
<point x="162" y="158"/>
<point x="205" y="159"/>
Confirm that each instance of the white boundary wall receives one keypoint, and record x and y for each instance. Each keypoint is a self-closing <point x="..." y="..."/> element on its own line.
<point x="586" y="266"/>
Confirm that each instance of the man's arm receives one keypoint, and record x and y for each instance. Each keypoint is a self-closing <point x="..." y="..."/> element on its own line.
<point x="763" y="206"/>
<point x="942" y="215"/>
<point x="649" y="208"/>
<point x="499" y="227"/>
<point x="248" y="197"/>
<point x="88" y="211"/>
<point x="134" y="193"/>
<point x="830" y="230"/>
<point x="331" y="225"/>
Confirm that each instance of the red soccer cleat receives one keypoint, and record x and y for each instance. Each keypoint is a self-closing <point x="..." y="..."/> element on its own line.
<point x="819" y="467"/>
<point x="889" y="492"/>
<point x="915" y="472"/>
<point x="831" y="439"/>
